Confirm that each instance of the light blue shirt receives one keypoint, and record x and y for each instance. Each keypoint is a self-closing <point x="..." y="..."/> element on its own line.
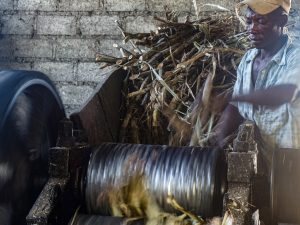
<point x="279" y="126"/>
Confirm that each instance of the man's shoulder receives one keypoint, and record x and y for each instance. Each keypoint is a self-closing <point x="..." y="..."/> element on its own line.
<point x="249" y="55"/>
<point x="294" y="49"/>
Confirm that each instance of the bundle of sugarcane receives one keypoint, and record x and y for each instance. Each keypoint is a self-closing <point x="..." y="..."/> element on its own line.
<point x="177" y="89"/>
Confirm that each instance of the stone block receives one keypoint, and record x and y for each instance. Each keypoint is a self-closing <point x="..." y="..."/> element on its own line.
<point x="75" y="95"/>
<point x="76" y="48"/>
<point x="179" y="5"/>
<point x="78" y="5"/>
<point x="14" y="66"/>
<point x="43" y="207"/>
<point x="6" y="48"/>
<point x="99" y="25"/>
<point x="244" y="141"/>
<point x="56" y="71"/>
<point x="6" y="4"/>
<point x="69" y="109"/>
<point x="56" y="25"/>
<point x="140" y="24"/>
<point x="59" y="162"/>
<point x="35" y="48"/>
<point x="239" y="201"/>
<point x="125" y="5"/>
<point x="241" y="166"/>
<point x="92" y="72"/>
<point x="17" y="24"/>
<point x="41" y="5"/>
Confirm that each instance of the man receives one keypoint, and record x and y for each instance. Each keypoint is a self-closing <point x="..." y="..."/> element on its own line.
<point x="268" y="79"/>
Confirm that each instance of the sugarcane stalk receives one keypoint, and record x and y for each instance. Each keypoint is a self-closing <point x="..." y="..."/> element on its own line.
<point x="172" y="24"/>
<point x="136" y="35"/>
<point x="137" y="93"/>
<point x="171" y="200"/>
<point x="176" y="52"/>
<point x="209" y="84"/>
<point x="125" y="123"/>
<point x="124" y="35"/>
<point x="135" y="132"/>
<point x="122" y="61"/>
<point x="106" y="58"/>
<point x="125" y="52"/>
<point x="156" y="52"/>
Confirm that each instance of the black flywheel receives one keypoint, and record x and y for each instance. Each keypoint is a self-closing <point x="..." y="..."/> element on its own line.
<point x="30" y="109"/>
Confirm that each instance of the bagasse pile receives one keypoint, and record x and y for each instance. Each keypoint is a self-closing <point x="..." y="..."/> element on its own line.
<point x="177" y="89"/>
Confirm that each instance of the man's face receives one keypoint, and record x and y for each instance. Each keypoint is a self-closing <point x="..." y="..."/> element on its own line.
<point x="263" y="29"/>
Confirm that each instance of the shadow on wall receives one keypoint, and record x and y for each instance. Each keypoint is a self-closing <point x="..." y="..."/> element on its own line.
<point x="6" y="48"/>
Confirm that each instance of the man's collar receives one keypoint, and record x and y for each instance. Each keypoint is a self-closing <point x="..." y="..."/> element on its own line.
<point x="279" y="57"/>
<point x="253" y="53"/>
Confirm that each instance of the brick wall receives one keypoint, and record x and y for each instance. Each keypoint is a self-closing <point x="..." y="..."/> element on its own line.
<point x="61" y="37"/>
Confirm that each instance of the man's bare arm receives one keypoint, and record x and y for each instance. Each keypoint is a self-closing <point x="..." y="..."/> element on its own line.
<point x="228" y="123"/>
<point x="273" y="96"/>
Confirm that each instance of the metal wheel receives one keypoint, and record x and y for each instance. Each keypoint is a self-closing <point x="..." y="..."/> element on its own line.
<point x="30" y="109"/>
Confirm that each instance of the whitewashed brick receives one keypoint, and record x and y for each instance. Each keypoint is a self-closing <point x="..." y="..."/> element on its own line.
<point x="125" y="5"/>
<point x="33" y="48"/>
<point x="42" y="5"/>
<point x="6" y="49"/>
<point x="215" y="5"/>
<point x="6" y="4"/>
<point x="57" y="71"/>
<point x="78" y="5"/>
<point x="75" y="95"/>
<point x="17" y="24"/>
<point x="14" y="66"/>
<point x="99" y="25"/>
<point x="69" y="109"/>
<point x="76" y="48"/>
<point x="56" y="25"/>
<point x="92" y="72"/>
<point x="140" y="24"/>
<point x="178" y="5"/>
<point x="106" y="47"/>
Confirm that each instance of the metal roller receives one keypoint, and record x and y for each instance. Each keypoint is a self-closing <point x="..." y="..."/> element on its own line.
<point x="196" y="177"/>
<point x="104" y="220"/>
<point x="30" y="109"/>
<point x="285" y="186"/>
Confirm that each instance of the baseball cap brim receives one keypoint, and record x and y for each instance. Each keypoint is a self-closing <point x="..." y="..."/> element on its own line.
<point x="260" y="7"/>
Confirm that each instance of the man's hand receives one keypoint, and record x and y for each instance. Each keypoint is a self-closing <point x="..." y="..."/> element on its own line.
<point x="228" y="123"/>
<point x="272" y="96"/>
